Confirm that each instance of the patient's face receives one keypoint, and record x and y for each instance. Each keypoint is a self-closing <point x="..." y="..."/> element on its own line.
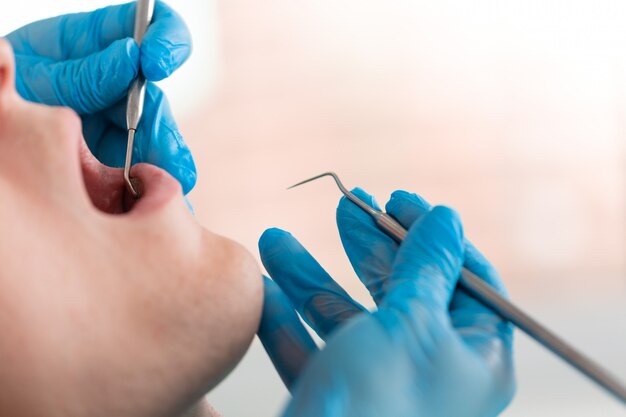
<point x="106" y="311"/>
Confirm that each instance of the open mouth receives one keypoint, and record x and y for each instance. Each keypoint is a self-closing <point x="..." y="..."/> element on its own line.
<point x="108" y="192"/>
<point x="105" y="185"/>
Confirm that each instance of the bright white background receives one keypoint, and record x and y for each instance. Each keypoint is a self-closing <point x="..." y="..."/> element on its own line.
<point x="514" y="113"/>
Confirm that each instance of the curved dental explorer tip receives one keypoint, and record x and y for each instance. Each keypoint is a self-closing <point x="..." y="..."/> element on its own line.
<point x="129" y="156"/>
<point x="325" y="174"/>
<point x="344" y="190"/>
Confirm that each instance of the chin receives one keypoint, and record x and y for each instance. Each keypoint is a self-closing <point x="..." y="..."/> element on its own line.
<point x="237" y="298"/>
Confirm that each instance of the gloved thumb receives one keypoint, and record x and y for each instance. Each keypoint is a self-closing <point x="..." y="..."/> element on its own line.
<point x="429" y="261"/>
<point x="87" y="85"/>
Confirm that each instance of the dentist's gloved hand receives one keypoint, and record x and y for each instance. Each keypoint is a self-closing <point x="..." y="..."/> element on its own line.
<point x="87" y="61"/>
<point x="428" y="350"/>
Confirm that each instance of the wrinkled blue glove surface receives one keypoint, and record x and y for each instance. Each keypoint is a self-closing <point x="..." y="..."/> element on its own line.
<point x="428" y="350"/>
<point x="87" y="61"/>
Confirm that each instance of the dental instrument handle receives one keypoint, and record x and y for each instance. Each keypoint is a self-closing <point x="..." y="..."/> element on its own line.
<point x="137" y="91"/>
<point x="483" y="292"/>
<point x="143" y="17"/>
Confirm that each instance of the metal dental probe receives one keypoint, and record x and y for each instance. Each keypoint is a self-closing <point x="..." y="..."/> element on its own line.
<point x="137" y="92"/>
<point x="483" y="292"/>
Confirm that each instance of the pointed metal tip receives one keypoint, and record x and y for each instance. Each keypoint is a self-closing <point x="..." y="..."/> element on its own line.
<point x="325" y="174"/>
<point x="128" y="164"/>
<point x="372" y="211"/>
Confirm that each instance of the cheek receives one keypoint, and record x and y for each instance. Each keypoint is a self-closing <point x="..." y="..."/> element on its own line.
<point x="214" y="305"/>
<point x="105" y="187"/>
<point x="58" y="140"/>
<point x="233" y="299"/>
<point x="40" y="148"/>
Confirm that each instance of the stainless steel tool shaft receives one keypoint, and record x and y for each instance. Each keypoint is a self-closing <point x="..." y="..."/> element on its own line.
<point x="137" y="92"/>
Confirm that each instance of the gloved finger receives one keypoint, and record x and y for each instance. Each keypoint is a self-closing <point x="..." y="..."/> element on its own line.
<point x="429" y="261"/>
<point x="476" y="262"/>
<point x="370" y="251"/>
<point x="480" y="328"/>
<point x="77" y="35"/>
<point x="477" y="324"/>
<point x="167" y="41"/>
<point x="286" y="341"/>
<point x="316" y="296"/>
<point x="158" y="140"/>
<point x="86" y="85"/>
<point x="167" y="44"/>
<point x="408" y="207"/>
<point x="109" y="147"/>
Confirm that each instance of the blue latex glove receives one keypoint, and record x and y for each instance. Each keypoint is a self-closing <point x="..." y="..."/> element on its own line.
<point x="428" y="350"/>
<point x="87" y="61"/>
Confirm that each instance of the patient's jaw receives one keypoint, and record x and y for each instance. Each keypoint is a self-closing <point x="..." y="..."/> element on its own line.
<point x="106" y="312"/>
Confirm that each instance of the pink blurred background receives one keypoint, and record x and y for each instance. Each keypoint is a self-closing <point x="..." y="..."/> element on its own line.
<point x="513" y="113"/>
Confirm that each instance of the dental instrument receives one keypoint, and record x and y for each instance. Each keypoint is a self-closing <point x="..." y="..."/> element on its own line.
<point x="484" y="293"/>
<point x="136" y="93"/>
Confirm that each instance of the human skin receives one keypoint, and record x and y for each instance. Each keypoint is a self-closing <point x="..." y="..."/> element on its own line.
<point x="106" y="311"/>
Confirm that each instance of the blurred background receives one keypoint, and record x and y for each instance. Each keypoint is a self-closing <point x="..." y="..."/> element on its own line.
<point x="512" y="112"/>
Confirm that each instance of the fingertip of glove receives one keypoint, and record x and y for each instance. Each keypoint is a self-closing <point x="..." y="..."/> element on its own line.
<point x="160" y="58"/>
<point x="435" y="244"/>
<point x="167" y="45"/>
<point x="345" y="205"/>
<point x="447" y="215"/>
<point x="400" y="197"/>
<point x="443" y="225"/>
<point x="164" y="146"/>
<point x="351" y="219"/>
<point x="363" y="195"/>
<point x="271" y="244"/>
<point x="275" y="231"/>
<point x="270" y="235"/>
